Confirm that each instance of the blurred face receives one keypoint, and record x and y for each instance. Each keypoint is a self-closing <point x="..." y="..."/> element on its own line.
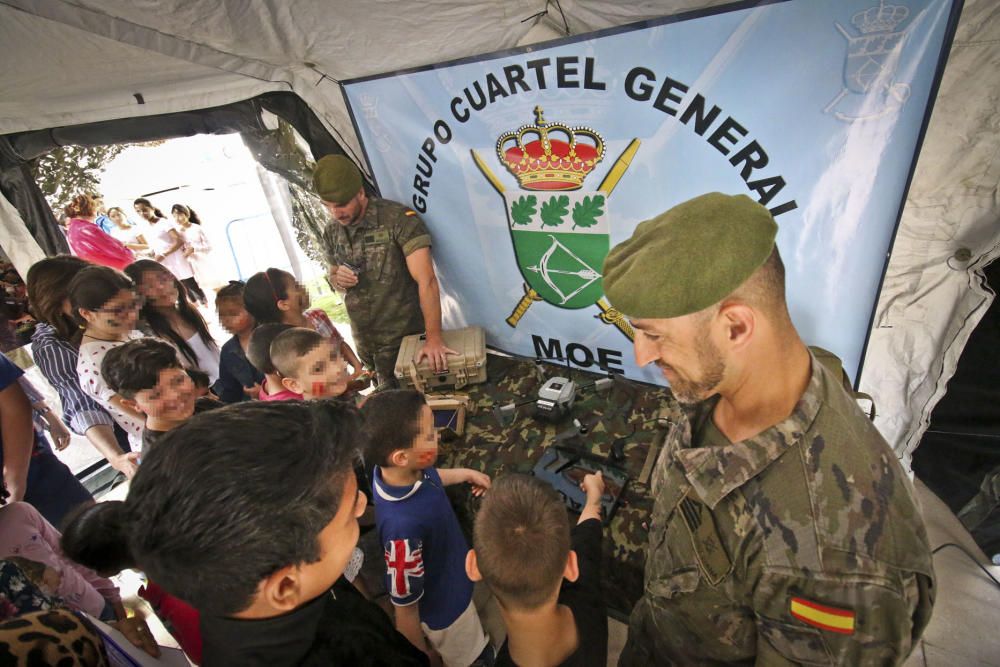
<point x="117" y="316"/>
<point x="172" y="398"/>
<point x="182" y="218"/>
<point x="233" y="317"/>
<point x="298" y="296"/>
<point x="117" y="218"/>
<point x="349" y="212"/>
<point x="146" y="211"/>
<point x="159" y="289"/>
<point x="336" y="543"/>
<point x="322" y="372"/>
<point x="424" y="451"/>
<point x="683" y="350"/>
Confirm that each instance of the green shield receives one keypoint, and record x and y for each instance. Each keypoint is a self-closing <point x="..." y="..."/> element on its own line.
<point x="560" y="240"/>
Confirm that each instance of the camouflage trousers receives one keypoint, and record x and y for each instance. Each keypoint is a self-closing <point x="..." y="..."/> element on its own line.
<point x="381" y="359"/>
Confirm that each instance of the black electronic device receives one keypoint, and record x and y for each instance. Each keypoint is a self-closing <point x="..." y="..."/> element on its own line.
<point x="564" y="468"/>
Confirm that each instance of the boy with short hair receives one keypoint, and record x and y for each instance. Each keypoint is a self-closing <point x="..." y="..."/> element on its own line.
<point x="309" y="364"/>
<point x="259" y="354"/>
<point x="250" y="515"/>
<point x="149" y="378"/>
<point x="546" y="577"/>
<point x="424" y="546"/>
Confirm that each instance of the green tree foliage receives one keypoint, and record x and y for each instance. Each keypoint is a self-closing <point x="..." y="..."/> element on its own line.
<point x="69" y="170"/>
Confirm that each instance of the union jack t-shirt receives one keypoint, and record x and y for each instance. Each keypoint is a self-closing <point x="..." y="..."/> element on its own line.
<point x="424" y="548"/>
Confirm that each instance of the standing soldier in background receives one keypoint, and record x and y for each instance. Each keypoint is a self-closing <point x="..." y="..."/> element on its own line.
<point x="379" y="255"/>
<point x="784" y="531"/>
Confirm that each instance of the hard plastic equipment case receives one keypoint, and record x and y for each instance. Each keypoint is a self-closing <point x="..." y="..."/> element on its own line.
<point x="467" y="367"/>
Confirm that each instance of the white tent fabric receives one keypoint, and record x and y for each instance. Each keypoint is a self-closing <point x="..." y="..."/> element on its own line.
<point x="77" y="61"/>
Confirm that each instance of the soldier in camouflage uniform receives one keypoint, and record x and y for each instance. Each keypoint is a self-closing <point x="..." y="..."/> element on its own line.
<point x="783" y="531"/>
<point x="379" y="255"/>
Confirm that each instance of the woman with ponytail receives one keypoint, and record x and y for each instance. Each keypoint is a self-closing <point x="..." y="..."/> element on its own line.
<point x="197" y="251"/>
<point x="166" y="240"/>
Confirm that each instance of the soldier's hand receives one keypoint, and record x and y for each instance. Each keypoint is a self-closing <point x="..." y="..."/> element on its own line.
<point x="343" y="278"/>
<point x="436" y="354"/>
<point x="593" y="486"/>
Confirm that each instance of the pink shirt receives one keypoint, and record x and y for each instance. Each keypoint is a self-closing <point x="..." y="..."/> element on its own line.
<point x="25" y="533"/>
<point x="283" y="395"/>
<point x="89" y="242"/>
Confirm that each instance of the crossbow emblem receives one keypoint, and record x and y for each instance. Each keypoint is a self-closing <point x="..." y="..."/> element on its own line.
<point x="587" y="274"/>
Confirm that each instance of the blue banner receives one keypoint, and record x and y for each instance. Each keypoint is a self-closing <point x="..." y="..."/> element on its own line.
<point x="529" y="165"/>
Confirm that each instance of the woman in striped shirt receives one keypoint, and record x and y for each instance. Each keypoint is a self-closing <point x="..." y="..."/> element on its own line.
<point x="55" y="348"/>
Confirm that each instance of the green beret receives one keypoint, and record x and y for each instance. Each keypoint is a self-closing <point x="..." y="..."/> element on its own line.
<point x="336" y="179"/>
<point x="690" y="257"/>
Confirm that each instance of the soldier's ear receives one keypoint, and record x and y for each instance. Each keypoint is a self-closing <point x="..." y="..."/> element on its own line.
<point x="572" y="571"/>
<point x="472" y="566"/>
<point x="740" y="322"/>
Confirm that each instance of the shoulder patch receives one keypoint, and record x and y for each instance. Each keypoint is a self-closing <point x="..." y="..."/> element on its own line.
<point x="410" y="212"/>
<point x="823" y="617"/>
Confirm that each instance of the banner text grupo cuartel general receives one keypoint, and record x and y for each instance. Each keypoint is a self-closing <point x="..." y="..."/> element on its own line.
<point x="641" y="84"/>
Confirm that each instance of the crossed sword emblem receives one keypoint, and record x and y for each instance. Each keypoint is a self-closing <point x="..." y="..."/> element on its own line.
<point x="608" y="315"/>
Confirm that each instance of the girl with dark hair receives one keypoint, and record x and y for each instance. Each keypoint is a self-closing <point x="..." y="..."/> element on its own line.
<point x="126" y="232"/>
<point x="172" y="317"/>
<point x="274" y="295"/>
<point x="166" y="240"/>
<point x="55" y="348"/>
<point x="198" y="247"/>
<point x="105" y="304"/>
<point x="97" y="538"/>
<point x="238" y="379"/>
<point x="90" y="242"/>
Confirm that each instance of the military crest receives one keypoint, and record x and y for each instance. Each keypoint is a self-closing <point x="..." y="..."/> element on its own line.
<point x="870" y="90"/>
<point x="561" y="233"/>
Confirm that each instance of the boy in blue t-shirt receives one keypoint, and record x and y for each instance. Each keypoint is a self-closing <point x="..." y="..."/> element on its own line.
<point x="424" y="546"/>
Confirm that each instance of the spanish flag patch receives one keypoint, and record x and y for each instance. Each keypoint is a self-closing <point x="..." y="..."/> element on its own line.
<point x="823" y="617"/>
<point x="410" y="212"/>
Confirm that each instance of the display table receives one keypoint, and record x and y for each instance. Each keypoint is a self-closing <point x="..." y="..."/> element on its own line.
<point x="499" y="449"/>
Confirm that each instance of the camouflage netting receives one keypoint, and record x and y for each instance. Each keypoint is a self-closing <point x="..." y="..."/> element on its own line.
<point x="280" y="152"/>
<point x="516" y="447"/>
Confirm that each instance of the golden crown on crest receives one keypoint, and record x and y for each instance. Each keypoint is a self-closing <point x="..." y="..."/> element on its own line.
<point x="547" y="162"/>
<point x="880" y="19"/>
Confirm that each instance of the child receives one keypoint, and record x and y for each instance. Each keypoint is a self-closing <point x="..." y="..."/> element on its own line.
<point x="259" y="354"/>
<point x="25" y="533"/>
<point x="275" y="296"/>
<point x="309" y="364"/>
<point x="106" y="305"/>
<point x="238" y="379"/>
<point x="96" y="539"/>
<point x="149" y="378"/>
<point x="523" y="548"/>
<point x="250" y="515"/>
<point x="424" y="546"/>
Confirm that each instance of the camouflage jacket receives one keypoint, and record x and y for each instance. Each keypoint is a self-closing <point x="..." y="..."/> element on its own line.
<point x="384" y="306"/>
<point x="802" y="545"/>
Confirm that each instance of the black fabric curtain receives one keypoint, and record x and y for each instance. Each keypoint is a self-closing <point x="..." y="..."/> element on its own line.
<point x="17" y="151"/>
<point x="959" y="456"/>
